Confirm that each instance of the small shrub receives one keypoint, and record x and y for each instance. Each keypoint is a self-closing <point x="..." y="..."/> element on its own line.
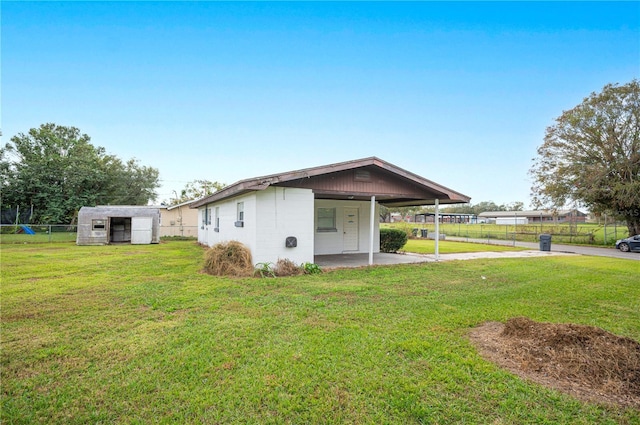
<point x="264" y="270"/>
<point x="311" y="268"/>
<point x="391" y="240"/>
<point x="286" y="267"/>
<point x="228" y="259"/>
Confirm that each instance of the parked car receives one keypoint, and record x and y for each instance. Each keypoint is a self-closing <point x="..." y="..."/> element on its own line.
<point x="629" y="244"/>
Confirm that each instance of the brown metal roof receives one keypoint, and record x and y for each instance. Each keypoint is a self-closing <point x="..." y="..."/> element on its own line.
<point x="358" y="179"/>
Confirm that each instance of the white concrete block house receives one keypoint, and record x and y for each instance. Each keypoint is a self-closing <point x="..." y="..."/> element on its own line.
<point x="331" y="209"/>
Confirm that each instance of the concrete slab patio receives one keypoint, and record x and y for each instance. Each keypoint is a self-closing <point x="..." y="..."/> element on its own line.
<point x="361" y="260"/>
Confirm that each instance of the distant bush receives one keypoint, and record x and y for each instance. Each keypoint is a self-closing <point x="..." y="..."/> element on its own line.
<point x="391" y="240"/>
<point x="286" y="267"/>
<point x="228" y="259"/>
<point x="178" y="238"/>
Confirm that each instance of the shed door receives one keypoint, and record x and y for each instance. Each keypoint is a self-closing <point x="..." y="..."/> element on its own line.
<point x="350" y="228"/>
<point x="141" y="230"/>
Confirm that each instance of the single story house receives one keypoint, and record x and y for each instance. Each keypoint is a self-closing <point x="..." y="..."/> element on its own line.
<point x="331" y="209"/>
<point x="178" y="220"/>
<point x="535" y="216"/>
<point x="103" y="225"/>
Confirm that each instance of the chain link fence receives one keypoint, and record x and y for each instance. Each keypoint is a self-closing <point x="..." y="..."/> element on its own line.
<point x="41" y="233"/>
<point x="582" y="234"/>
<point x="49" y="233"/>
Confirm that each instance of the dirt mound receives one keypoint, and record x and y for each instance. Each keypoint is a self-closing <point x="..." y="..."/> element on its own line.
<point x="585" y="361"/>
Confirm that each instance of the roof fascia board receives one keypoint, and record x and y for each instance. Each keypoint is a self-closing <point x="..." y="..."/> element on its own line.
<point x="261" y="183"/>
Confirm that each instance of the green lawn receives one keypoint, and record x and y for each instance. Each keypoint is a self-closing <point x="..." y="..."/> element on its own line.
<point x="427" y="246"/>
<point x="136" y="334"/>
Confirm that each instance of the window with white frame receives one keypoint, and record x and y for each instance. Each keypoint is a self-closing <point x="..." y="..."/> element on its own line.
<point x="217" y="220"/>
<point x="326" y="220"/>
<point x="240" y="214"/>
<point x="209" y="216"/>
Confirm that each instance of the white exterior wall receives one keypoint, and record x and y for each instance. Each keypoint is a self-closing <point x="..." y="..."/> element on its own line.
<point x="227" y="231"/>
<point x="270" y="216"/>
<point x="284" y="212"/>
<point x="333" y="242"/>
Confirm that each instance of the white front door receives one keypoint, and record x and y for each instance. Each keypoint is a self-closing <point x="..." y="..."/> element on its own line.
<point x="141" y="229"/>
<point x="350" y="229"/>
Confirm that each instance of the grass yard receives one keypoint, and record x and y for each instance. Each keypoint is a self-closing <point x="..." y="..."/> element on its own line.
<point x="427" y="246"/>
<point x="136" y="334"/>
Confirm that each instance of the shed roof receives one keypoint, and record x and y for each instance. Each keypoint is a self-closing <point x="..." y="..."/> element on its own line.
<point x="120" y="210"/>
<point x="357" y="179"/>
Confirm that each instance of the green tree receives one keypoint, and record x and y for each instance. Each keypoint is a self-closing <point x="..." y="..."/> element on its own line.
<point x="515" y="206"/>
<point x="591" y="156"/>
<point x="57" y="170"/>
<point x="196" y="189"/>
<point x="384" y="214"/>
<point x="483" y="206"/>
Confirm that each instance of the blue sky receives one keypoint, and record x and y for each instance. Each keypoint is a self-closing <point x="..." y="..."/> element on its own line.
<point x="457" y="92"/>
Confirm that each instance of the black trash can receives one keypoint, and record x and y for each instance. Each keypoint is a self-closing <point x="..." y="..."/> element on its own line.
<point x="424" y="232"/>
<point x="545" y="242"/>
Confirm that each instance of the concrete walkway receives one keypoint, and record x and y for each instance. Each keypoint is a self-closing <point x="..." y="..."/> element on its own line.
<point x="361" y="260"/>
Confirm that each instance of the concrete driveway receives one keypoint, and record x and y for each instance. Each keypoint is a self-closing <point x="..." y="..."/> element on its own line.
<point x="573" y="249"/>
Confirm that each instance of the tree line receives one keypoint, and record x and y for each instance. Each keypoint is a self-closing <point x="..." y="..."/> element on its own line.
<point x="54" y="170"/>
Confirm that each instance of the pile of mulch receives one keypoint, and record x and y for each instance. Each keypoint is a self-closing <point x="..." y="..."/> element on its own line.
<point x="588" y="362"/>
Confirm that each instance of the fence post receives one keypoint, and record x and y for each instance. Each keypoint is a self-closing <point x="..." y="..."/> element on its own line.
<point x="49" y="233"/>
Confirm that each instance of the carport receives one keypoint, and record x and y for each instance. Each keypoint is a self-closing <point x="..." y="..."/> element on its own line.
<point x="377" y="181"/>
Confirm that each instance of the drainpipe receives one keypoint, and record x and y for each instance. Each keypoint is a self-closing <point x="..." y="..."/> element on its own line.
<point x="371" y="228"/>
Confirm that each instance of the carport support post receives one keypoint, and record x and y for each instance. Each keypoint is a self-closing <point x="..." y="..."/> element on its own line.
<point x="437" y="220"/>
<point x="372" y="228"/>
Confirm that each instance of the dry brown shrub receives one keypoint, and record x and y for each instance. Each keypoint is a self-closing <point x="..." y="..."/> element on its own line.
<point x="228" y="259"/>
<point x="286" y="267"/>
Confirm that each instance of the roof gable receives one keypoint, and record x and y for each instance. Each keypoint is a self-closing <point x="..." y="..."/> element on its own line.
<point x="357" y="179"/>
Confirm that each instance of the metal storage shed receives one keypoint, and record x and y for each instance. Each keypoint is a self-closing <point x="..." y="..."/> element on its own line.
<point x="103" y="225"/>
